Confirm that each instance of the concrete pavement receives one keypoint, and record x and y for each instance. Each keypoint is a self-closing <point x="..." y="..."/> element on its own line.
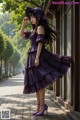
<point x="21" y="106"/>
<point x="12" y="85"/>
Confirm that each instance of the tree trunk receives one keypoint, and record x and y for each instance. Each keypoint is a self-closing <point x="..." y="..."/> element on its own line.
<point x="6" y="68"/>
<point x="10" y="68"/>
<point x="13" y="70"/>
<point x="0" y="66"/>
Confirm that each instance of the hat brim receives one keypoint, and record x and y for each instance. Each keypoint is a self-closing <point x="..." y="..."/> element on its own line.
<point x="28" y="11"/>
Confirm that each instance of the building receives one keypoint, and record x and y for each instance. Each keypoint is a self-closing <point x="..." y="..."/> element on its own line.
<point x="66" y="18"/>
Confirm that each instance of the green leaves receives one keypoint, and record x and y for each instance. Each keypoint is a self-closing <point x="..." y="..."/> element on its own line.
<point x="2" y="43"/>
<point x="16" y="13"/>
<point x="15" y="57"/>
<point x="1" y="1"/>
<point x="18" y="7"/>
<point x="8" y="50"/>
<point x="5" y="24"/>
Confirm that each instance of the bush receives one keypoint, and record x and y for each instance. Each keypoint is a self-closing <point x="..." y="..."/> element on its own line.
<point x="50" y="87"/>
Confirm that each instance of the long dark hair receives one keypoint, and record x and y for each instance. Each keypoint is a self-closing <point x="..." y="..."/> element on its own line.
<point x="50" y="34"/>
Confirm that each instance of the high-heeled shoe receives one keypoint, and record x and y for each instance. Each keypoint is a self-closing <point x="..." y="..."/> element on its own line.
<point x="36" y="111"/>
<point x="45" y="108"/>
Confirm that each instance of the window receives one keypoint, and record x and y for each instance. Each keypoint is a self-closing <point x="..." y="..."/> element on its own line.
<point x="62" y="47"/>
<point x="68" y="50"/>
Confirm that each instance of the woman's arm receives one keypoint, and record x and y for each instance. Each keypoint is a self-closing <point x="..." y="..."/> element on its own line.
<point x="40" y="30"/>
<point x="23" y="26"/>
<point x="39" y="48"/>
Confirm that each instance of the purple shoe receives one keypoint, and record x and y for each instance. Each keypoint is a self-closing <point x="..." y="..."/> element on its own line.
<point x="37" y="111"/>
<point x="45" y="108"/>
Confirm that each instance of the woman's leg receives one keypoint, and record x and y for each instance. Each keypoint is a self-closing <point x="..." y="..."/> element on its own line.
<point x="43" y="106"/>
<point x="38" y="101"/>
<point x="42" y="98"/>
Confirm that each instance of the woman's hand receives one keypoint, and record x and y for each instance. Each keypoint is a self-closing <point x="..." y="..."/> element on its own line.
<point x="23" y="26"/>
<point x="36" y="62"/>
<point x="25" y="21"/>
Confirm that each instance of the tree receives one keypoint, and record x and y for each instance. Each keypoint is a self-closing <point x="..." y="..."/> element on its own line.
<point x="23" y="58"/>
<point x="22" y="46"/>
<point x="15" y="60"/>
<point x="2" y="43"/>
<point x="2" y="48"/>
<point x="17" y="7"/>
<point x="7" y="54"/>
<point x="6" y="25"/>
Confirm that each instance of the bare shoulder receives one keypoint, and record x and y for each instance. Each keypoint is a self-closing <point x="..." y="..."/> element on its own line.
<point x="40" y="30"/>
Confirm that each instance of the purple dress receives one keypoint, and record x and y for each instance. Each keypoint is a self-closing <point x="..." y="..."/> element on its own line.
<point x="51" y="67"/>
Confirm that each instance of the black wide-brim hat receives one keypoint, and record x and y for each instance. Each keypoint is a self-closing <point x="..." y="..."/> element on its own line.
<point x="38" y="12"/>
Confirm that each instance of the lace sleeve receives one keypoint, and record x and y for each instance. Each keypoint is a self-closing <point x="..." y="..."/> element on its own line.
<point x="40" y="38"/>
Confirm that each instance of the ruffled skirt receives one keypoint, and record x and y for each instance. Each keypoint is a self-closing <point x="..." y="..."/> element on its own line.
<point x="51" y="67"/>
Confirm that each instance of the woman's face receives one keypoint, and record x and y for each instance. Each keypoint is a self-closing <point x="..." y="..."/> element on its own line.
<point x="33" y="20"/>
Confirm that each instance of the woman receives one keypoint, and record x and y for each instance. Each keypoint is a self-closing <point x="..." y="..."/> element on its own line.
<point x="42" y="67"/>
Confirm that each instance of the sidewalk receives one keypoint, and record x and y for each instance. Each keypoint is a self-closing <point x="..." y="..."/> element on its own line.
<point x="22" y="107"/>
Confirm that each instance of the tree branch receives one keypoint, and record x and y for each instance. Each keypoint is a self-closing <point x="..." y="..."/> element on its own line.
<point x="30" y="1"/>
